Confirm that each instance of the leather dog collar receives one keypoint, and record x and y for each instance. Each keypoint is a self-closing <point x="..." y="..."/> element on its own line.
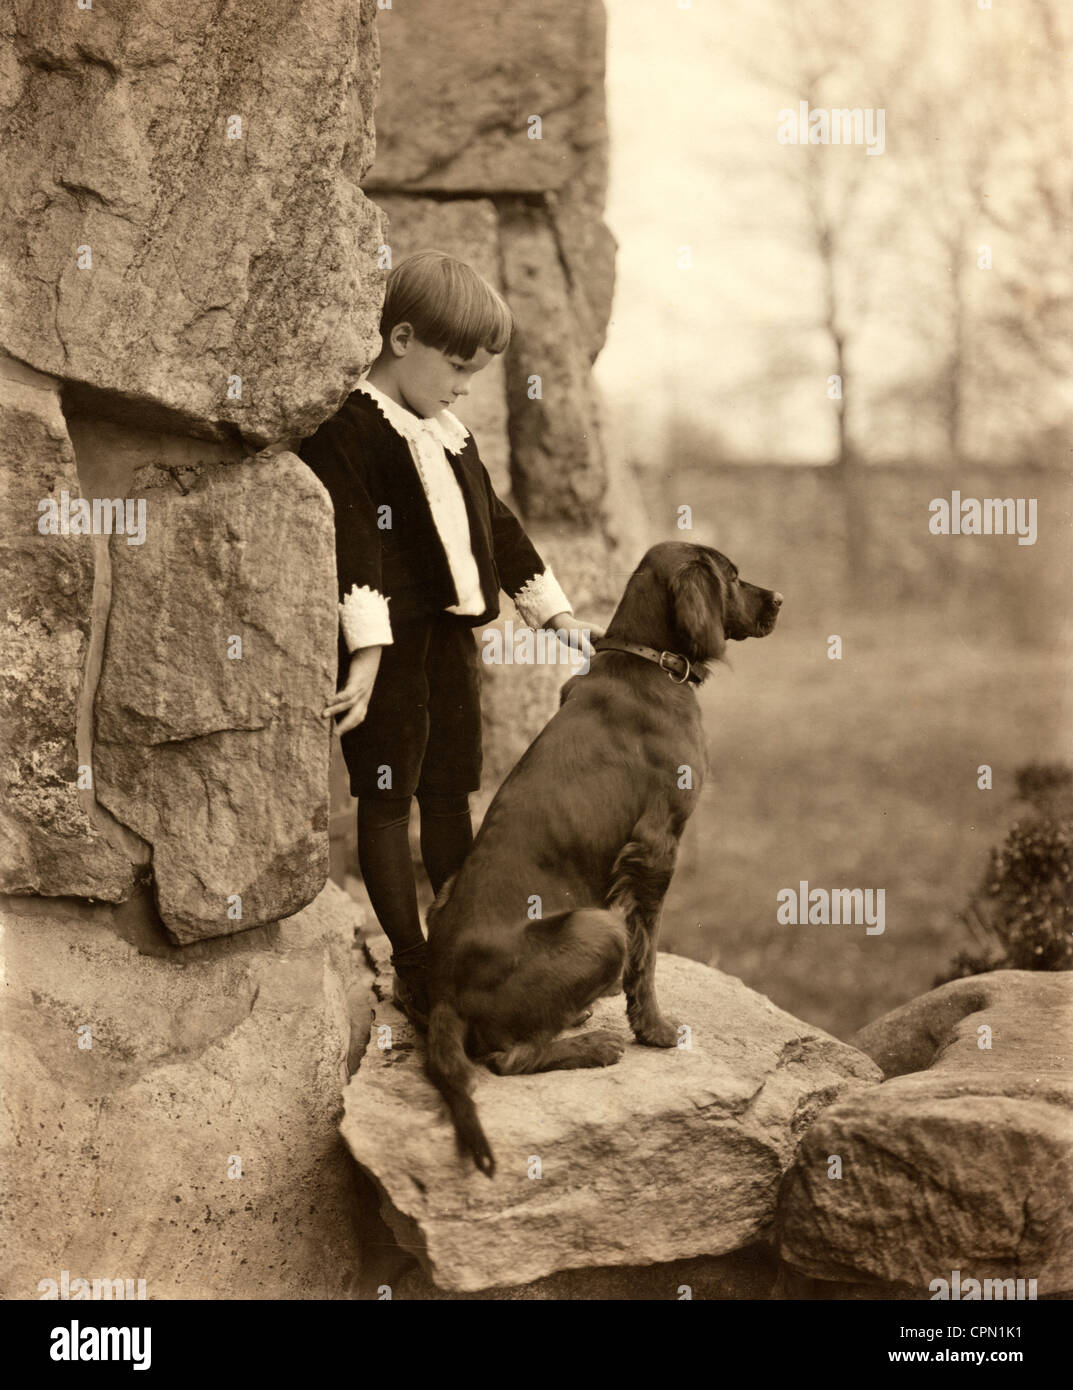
<point x="679" y="668"/>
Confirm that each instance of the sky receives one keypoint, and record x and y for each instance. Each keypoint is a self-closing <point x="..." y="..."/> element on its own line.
<point x="685" y="120"/>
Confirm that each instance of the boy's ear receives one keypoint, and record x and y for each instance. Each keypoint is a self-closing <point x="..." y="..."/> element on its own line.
<point x="400" y="338"/>
<point x="698" y="595"/>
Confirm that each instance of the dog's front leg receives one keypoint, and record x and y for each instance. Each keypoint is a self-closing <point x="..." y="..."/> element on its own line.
<point x="639" y="882"/>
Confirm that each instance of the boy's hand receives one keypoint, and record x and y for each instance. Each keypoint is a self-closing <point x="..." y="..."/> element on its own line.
<point x="567" y="622"/>
<point x="353" y="700"/>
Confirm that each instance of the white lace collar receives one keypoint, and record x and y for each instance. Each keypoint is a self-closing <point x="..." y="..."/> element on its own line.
<point x="445" y="428"/>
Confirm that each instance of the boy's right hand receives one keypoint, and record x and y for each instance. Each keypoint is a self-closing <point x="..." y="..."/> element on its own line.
<point x="352" y="701"/>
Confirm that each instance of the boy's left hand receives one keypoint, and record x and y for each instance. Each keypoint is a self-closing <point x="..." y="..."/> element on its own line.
<point x="568" y="622"/>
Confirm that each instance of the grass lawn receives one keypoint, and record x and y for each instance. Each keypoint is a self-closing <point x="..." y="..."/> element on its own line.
<point x="859" y="773"/>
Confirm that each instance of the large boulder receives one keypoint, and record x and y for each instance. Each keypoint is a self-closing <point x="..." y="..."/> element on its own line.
<point x="490" y="70"/>
<point x="171" y="1112"/>
<point x="666" y="1156"/>
<point x="219" y="658"/>
<point x="182" y="207"/>
<point x="962" y="1161"/>
<point x="49" y="842"/>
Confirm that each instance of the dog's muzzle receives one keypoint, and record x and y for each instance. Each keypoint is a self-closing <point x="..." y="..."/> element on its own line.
<point x="772" y="607"/>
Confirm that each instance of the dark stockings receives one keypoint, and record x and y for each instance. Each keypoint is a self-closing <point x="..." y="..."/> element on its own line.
<point x="386" y="866"/>
<point x="446" y="835"/>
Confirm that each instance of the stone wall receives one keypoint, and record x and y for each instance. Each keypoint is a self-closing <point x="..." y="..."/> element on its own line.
<point x="190" y="274"/>
<point x="193" y="273"/>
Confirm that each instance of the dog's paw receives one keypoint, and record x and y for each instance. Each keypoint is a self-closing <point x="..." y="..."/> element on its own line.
<point x="660" y="1032"/>
<point x="605" y="1047"/>
<point x="500" y="1063"/>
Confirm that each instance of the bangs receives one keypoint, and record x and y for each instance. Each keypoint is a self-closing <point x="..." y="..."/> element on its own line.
<point x="449" y="305"/>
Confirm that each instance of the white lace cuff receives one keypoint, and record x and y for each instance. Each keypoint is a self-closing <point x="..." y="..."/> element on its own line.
<point x="540" y="598"/>
<point x="364" y="618"/>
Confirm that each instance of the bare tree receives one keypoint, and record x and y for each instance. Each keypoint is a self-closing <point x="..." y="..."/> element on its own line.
<point x="986" y="134"/>
<point x="836" y="57"/>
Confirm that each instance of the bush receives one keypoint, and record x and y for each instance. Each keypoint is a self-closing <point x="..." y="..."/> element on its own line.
<point x="1022" y="913"/>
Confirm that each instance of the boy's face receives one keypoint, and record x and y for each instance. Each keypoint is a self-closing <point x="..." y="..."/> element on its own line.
<point x="430" y="380"/>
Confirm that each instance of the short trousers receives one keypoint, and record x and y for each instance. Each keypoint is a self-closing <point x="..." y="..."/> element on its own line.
<point x="422" y="731"/>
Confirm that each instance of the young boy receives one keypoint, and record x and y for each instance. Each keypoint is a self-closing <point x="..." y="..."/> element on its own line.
<point x="423" y="546"/>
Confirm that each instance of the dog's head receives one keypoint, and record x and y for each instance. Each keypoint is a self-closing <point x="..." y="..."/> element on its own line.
<point x="691" y="599"/>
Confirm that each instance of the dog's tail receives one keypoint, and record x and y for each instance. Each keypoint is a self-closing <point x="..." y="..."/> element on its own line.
<point x="452" y="1074"/>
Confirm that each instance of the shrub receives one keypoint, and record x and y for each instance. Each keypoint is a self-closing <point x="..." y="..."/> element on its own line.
<point x="1022" y="913"/>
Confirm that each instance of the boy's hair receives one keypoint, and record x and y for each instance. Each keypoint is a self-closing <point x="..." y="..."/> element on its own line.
<point x="450" y="307"/>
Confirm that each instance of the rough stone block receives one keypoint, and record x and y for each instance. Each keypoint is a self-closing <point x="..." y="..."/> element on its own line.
<point x="48" y="841"/>
<point x="557" y="461"/>
<point x="149" y="258"/>
<point x="743" y="1274"/>
<point x="965" y="1164"/>
<point x="220" y="760"/>
<point x="479" y="73"/>
<point x="120" y="1157"/>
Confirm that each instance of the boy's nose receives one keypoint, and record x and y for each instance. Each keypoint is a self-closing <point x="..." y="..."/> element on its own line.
<point x="462" y="390"/>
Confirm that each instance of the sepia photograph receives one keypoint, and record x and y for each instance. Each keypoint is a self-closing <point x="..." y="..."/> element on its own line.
<point x="536" y="726"/>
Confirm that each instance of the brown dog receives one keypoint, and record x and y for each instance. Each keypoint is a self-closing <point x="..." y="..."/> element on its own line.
<point x="560" y="895"/>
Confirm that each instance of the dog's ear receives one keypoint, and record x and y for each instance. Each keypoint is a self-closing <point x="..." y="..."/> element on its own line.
<point x="698" y="594"/>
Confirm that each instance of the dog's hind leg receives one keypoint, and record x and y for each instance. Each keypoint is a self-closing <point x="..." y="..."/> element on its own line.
<point x="639" y="883"/>
<point x="573" y="959"/>
<point x="560" y="965"/>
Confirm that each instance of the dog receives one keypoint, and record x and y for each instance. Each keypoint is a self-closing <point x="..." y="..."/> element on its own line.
<point x="559" y="898"/>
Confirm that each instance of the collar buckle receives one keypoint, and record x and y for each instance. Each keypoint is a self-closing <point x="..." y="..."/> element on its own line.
<point x="678" y="680"/>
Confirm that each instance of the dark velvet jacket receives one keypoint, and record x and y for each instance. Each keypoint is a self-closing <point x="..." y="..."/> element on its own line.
<point x="365" y="465"/>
